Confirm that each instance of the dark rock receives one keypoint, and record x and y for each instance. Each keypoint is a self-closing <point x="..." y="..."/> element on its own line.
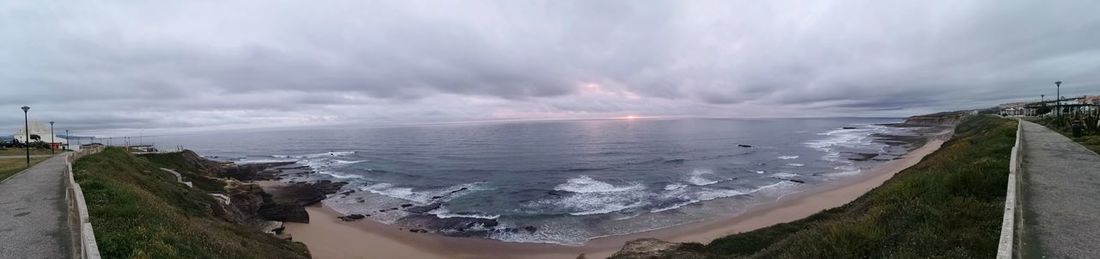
<point x="305" y="194"/>
<point x="284" y="212"/>
<point x="352" y="217"/>
<point x="531" y="229"/>
<point x="406" y="205"/>
<point x="796" y="180"/>
<point x="460" y="226"/>
<point x="848" y="127"/>
<point x="424" y="209"/>
<point x="743" y="145"/>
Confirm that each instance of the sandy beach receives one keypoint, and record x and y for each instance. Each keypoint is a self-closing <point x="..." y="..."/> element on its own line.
<point x="329" y="237"/>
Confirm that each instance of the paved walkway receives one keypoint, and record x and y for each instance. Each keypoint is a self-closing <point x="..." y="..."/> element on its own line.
<point x="1060" y="197"/>
<point x="34" y="213"/>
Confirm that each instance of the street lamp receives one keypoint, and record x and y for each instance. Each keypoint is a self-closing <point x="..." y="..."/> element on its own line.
<point x="27" y="131"/>
<point x="51" y="138"/>
<point x="1058" y="96"/>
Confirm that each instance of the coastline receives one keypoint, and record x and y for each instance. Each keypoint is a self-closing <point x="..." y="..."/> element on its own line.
<point x="329" y="237"/>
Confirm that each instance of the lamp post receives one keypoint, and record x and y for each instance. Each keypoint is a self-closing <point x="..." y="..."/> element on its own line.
<point x="51" y="138"/>
<point x="27" y="132"/>
<point x="67" y="139"/>
<point x="1058" y="96"/>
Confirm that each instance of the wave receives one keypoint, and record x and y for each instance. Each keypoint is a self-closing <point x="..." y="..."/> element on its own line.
<point x="246" y="161"/>
<point x="421" y="197"/>
<point x="788" y="157"/>
<point x="591" y="197"/>
<point x="318" y="155"/>
<point x="796" y="164"/>
<point x="674" y="186"/>
<point x="340" y="176"/>
<point x="347" y="162"/>
<point x="673" y="206"/>
<point x="784" y="175"/>
<point x="443" y="213"/>
<point x="697" y="177"/>
<point x="710" y="194"/>
<point x="585" y="184"/>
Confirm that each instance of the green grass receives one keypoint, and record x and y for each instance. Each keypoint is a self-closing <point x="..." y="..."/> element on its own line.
<point x="12" y="166"/>
<point x="947" y="206"/>
<point x="1091" y="142"/>
<point x="20" y="151"/>
<point x="193" y="170"/>
<point x="139" y="211"/>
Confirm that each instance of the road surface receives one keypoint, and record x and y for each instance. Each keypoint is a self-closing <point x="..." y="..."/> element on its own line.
<point x="1060" y="197"/>
<point x="34" y="212"/>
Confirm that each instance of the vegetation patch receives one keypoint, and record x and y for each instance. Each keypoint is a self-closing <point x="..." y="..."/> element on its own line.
<point x="12" y="166"/>
<point x="139" y="211"/>
<point x="947" y="206"/>
<point x="191" y="167"/>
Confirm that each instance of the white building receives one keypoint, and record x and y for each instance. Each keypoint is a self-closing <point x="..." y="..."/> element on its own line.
<point x="40" y="129"/>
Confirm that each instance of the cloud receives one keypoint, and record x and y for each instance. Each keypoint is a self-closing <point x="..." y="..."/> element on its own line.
<point x="216" y="64"/>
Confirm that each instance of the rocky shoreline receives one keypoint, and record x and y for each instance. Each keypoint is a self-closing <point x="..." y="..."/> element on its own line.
<point x="255" y="194"/>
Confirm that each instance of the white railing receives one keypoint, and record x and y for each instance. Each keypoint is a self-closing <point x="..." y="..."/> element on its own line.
<point x="78" y="209"/>
<point x="1008" y="222"/>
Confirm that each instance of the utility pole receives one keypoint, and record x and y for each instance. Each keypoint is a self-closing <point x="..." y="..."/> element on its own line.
<point x="27" y="132"/>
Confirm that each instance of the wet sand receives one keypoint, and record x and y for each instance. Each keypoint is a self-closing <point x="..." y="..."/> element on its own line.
<point x="329" y="237"/>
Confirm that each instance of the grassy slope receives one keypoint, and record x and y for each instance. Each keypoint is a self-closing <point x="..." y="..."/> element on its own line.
<point x="139" y="211"/>
<point x="188" y="169"/>
<point x="12" y="166"/>
<point x="948" y="205"/>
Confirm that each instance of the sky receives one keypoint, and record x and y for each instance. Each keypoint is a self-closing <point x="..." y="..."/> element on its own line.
<point x="163" y="66"/>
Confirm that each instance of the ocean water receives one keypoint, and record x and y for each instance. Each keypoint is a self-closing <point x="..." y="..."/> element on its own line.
<point x="564" y="182"/>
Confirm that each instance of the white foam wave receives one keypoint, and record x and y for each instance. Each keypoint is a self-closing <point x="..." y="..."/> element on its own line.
<point x="788" y="157"/>
<point x="760" y="172"/>
<point x="585" y="184"/>
<point x="784" y="175"/>
<point x="710" y="194"/>
<point x="590" y="197"/>
<point x="444" y="213"/>
<point x="698" y="178"/>
<point x="340" y="176"/>
<point x="421" y="197"/>
<point x="796" y="164"/>
<point x="347" y="162"/>
<point x="318" y="155"/>
<point x="674" y="186"/>
<point x="261" y="161"/>
<point x="673" y="206"/>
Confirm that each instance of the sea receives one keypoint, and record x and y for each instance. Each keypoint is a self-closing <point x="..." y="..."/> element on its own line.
<point x="563" y="182"/>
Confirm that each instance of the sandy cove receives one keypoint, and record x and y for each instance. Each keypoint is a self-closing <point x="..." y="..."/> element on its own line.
<point x="329" y="237"/>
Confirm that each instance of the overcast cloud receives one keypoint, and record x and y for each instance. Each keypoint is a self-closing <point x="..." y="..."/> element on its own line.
<point x="126" y="65"/>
